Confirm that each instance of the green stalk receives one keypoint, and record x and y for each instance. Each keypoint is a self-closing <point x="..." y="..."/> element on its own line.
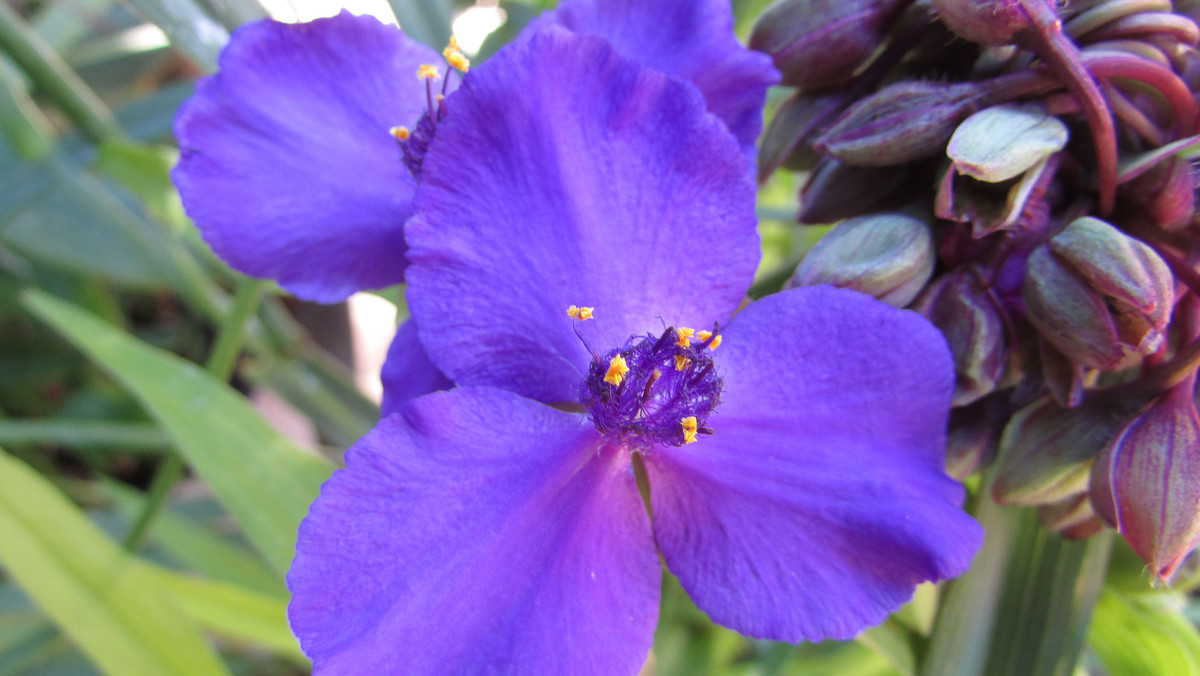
<point x="221" y="363"/>
<point x="52" y="76"/>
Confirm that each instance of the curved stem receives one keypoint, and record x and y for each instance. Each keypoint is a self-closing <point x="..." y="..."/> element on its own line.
<point x="1063" y="58"/>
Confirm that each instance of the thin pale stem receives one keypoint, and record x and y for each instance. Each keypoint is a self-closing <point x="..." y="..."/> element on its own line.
<point x="221" y="362"/>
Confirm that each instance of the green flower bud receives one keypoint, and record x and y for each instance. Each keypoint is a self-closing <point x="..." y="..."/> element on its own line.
<point x="1003" y="142"/>
<point x="1147" y="482"/>
<point x="1166" y="194"/>
<point x="1046" y="450"/>
<point x="999" y="158"/>
<point x="902" y="122"/>
<point x="1099" y="295"/>
<point x="970" y="318"/>
<point x="888" y="256"/>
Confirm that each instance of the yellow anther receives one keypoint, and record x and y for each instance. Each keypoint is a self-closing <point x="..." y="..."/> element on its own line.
<point x="401" y="133"/>
<point x="705" y="335"/>
<point x="617" y="368"/>
<point x="689" y="429"/>
<point x="428" y="72"/>
<point x="681" y="362"/>
<point x="454" y="55"/>
<point x="459" y="61"/>
<point x="685" y="336"/>
<point x="580" y="313"/>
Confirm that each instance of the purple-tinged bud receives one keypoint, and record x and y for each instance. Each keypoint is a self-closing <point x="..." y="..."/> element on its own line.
<point x="1147" y="483"/>
<point x="899" y="123"/>
<point x="820" y="43"/>
<point x="1063" y="377"/>
<point x="1073" y="517"/>
<point x="987" y="22"/>
<point x="1002" y="160"/>
<point x="1099" y="295"/>
<point x="974" y="435"/>
<point x="971" y="320"/>
<point x="1046" y="450"/>
<point x="796" y="120"/>
<point x="836" y="191"/>
<point x="888" y="256"/>
<point x="1166" y="193"/>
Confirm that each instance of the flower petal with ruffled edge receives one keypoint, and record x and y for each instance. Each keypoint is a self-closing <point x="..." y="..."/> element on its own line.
<point x="477" y="531"/>
<point x="820" y="502"/>
<point x="689" y="39"/>
<point x="288" y="167"/>
<point x="407" y="373"/>
<point x="565" y="175"/>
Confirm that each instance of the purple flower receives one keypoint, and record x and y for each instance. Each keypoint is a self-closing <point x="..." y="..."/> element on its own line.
<point x="794" y="472"/>
<point x="289" y="167"/>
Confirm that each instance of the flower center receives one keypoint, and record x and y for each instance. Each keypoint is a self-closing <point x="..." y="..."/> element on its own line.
<point x="414" y="143"/>
<point x="654" y="389"/>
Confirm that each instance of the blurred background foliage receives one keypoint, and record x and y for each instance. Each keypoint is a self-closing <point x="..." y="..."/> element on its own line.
<point x="149" y="494"/>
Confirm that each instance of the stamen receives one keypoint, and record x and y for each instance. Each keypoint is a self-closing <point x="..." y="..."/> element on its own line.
<point x="681" y="362"/>
<point x="401" y="133"/>
<point x="685" y="336"/>
<point x="428" y="72"/>
<point x="689" y="429"/>
<point x="455" y="57"/>
<point x="714" y="343"/>
<point x="580" y="313"/>
<point x="617" y="368"/>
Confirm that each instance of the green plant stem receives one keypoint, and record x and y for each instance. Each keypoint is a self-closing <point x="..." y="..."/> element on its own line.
<point x="221" y="363"/>
<point x="53" y="77"/>
<point x="76" y="432"/>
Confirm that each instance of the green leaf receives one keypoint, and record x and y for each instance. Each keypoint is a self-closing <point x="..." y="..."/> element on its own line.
<point x="79" y="225"/>
<point x="145" y="170"/>
<point x="1144" y="634"/>
<point x="265" y="480"/>
<point x="198" y="548"/>
<point x="235" y="612"/>
<point x="427" y="21"/>
<point x="1023" y="607"/>
<point x="107" y="601"/>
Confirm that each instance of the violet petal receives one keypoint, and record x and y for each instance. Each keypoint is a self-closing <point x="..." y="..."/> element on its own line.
<point x="567" y="175"/>
<point x="820" y="502"/>
<point x="288" y="166"/>
<point x="477" y="532"/>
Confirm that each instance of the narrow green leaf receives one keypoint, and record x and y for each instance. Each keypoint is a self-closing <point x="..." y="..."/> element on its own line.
<point x="198" y="548"/>
<point x="1144" y="634"/>
<point x="959" y="643"/>
<point x="108" y="602"/>
<point x="235" y="612"/>
<point x="265" y="480"/>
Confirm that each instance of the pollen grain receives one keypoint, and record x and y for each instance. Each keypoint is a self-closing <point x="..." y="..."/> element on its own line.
<point x="428" y="72"/>
<point x="689" y="426"/>
<point x="580" y="313"/>
<point x="705" y="335"/>
<point x="685" y="336"/>
<point x="617" y="368"/>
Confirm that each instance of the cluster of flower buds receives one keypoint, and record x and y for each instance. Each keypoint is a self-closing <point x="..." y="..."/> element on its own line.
<point x="1017" y="171"/>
